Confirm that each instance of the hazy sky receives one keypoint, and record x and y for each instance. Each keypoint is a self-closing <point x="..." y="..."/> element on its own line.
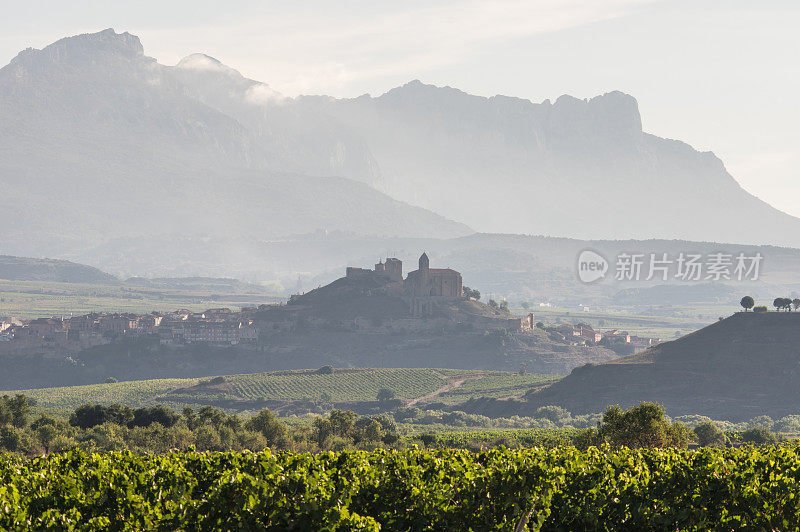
<point x="721" y="75"/>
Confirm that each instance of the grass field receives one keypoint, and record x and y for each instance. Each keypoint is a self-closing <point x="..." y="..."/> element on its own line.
<point x="345" y="385"/>
<point x="32" y="299"/>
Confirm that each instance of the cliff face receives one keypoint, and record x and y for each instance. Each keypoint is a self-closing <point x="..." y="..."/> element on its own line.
<point x="100" y="142"/>
<point x="579" y="168"/>
<point x="739" y="368"/>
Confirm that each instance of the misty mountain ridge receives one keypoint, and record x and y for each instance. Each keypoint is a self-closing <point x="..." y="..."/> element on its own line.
<point x="99" y="142"/>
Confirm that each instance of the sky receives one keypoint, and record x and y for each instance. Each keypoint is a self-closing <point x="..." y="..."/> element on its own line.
<point x="721" y="75"/>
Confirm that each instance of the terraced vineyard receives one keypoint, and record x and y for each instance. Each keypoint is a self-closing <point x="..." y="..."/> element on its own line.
<point x="344" y="385"/>
<point x="132" y="393"/>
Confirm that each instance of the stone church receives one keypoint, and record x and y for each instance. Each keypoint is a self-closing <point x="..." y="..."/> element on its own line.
<point x="422" y="288"/>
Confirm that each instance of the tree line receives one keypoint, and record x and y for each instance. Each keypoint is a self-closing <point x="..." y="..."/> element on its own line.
<point x="780" y="303"/>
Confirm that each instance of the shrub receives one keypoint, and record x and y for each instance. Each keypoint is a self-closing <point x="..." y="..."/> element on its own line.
<point x="759" y="436"/>
<point x="709" y="435"/>
<point x="385" y="394"/>
<point x="88" y="416"/>
<point x="142" y="417"/>
<point x="760" y="421"/>
<point x="407" y="413"/>
<point x="269" y="426"/>
<point x="643" y="425"/>
<point x="787" y="424"/>
<point x="428" y="439"/>
<point x="206" y="438"/>
<point x="553" y="413"/>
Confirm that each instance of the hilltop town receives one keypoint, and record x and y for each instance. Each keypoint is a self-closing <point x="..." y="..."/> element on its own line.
<point x="370" y="317"/>
<point x="426" y="299"/>
<point x="374" y="301"/>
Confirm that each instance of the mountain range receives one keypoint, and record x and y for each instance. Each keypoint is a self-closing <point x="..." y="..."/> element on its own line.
<point x="103" y="150"/>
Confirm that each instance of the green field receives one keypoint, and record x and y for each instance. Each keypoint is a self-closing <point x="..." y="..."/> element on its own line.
<point x="344" y="385"/>
<point x="32" y="299"/>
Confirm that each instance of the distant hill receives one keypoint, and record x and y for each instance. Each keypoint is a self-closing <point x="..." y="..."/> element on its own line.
<point x="61" y="271"/>
<point x="197" y="284"/>
<point x="739" y="368"/>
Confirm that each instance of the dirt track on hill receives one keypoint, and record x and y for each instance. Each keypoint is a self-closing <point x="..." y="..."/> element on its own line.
<point x="454" y="383"/>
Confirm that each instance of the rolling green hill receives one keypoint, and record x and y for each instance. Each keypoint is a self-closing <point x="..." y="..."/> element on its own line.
<point x="738" y="368"/>
<point x="61" y="271"/>
<point x="283" y="388"/>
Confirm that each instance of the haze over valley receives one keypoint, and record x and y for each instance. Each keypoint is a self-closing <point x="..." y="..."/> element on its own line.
<point x="108" y="154"/>
<point x="421" y="308"/>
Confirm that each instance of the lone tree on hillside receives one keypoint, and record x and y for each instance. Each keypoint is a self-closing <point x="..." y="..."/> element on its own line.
<point x="747" y="303"/>
<point x="385" y="394"/>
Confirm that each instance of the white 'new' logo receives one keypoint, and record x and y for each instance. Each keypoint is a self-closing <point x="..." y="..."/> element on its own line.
<point x="591" y="266"/>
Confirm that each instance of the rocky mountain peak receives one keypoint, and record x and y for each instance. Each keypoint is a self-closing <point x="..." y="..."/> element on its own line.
<point x="205" y="63"/>
<point x="614" y="111"/>
<point x="79" y="51"/>
<point x="107" y="40"/>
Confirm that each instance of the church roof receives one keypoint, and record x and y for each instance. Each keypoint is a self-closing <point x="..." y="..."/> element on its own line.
<point x="436" y="270"/>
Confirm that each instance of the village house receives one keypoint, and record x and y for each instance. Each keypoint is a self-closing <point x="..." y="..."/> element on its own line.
<point x="643" y="343"/>
<point x="616" y="336"/>
<point x="47" y="327"/>
<point x="118" y="323"/>
<point x="7" y="322"/>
